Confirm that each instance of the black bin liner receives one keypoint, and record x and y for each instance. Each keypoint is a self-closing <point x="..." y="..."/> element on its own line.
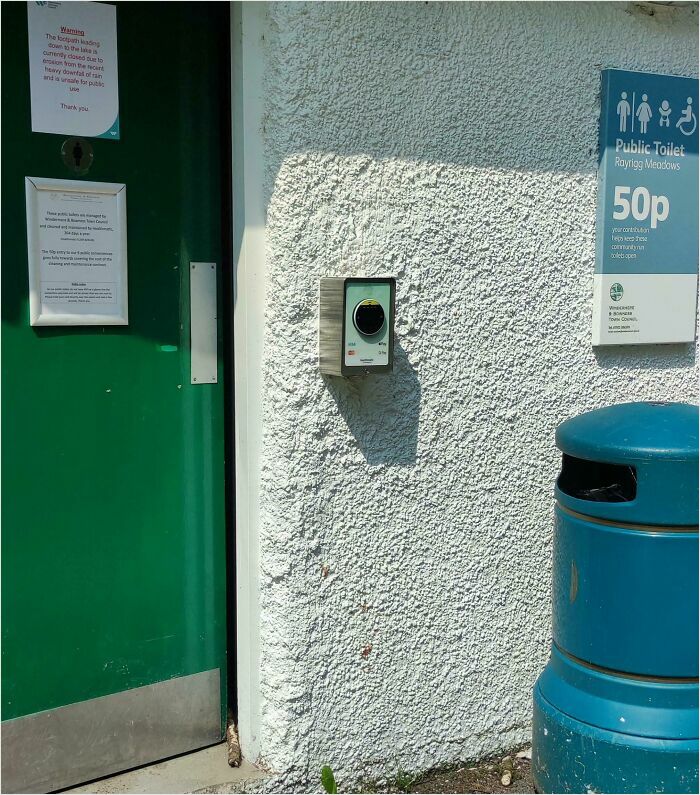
<point x="597" y="481"/>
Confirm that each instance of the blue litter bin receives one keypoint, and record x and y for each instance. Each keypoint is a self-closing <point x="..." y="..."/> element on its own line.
<point x="616" y="708"/>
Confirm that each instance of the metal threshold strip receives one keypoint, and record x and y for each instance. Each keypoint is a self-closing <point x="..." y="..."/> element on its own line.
<point x="65" y="746"/>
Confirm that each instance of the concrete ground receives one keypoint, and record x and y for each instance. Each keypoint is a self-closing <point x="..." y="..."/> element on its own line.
<point x="206" y="770"/>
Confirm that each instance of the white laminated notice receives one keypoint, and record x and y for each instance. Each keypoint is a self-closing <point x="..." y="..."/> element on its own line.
<point x="73" y="68"/>
<point x="76" y="236"/>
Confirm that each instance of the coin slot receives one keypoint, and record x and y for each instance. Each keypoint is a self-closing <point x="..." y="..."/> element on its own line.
<point x="368" y="317"/>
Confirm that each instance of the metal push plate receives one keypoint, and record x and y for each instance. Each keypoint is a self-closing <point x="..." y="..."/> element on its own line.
<point x="203" y="334"/>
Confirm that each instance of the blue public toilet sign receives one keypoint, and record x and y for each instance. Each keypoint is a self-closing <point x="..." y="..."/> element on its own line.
<point x="645" y="282"/>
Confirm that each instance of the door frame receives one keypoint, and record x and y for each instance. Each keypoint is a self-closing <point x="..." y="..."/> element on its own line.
<point x="248" y="25"/>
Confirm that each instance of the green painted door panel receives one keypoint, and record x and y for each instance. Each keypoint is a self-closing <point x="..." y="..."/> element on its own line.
<point x="113" y="520"/>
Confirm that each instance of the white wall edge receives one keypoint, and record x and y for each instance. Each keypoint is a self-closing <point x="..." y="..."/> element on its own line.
<point x="247" y="25"/>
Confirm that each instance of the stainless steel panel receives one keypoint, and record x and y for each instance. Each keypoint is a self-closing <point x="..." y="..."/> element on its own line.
<point x="330" y="325"/>
<point x="203" y="336"/>
<point x="62" y="747"/>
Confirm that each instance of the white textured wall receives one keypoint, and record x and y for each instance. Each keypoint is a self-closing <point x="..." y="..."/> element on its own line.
<point x="406" y="519"/>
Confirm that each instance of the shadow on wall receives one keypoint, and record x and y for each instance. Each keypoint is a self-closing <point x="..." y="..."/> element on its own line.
<point x="382" y="411"/>
<point x="646" y="357"/>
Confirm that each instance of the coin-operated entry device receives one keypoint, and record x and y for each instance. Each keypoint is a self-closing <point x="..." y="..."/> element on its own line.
<point x="356" y="325"/>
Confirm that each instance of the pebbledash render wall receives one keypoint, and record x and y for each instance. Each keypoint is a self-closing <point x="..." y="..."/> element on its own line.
<point x="395" y="531"/>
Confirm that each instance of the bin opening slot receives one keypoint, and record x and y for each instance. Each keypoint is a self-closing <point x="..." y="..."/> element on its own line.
<point x="597" y="481"/>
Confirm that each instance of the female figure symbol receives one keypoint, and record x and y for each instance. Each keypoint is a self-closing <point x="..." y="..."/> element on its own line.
<point x="643" y="114"/>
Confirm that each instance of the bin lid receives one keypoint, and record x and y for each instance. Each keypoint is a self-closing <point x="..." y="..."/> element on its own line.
<point x="657" y="440"/>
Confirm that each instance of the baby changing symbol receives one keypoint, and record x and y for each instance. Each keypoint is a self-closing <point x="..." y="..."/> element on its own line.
<point x="664" y="113"/>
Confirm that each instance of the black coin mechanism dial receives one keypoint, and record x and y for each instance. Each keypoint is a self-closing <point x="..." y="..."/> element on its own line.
<point x="368" y="317"/>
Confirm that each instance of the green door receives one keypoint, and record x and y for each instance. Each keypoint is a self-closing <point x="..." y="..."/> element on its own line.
<point x="113" y="511"/>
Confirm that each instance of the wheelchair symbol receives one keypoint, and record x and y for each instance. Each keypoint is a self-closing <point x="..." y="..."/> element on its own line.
<point x="687" y="117"/>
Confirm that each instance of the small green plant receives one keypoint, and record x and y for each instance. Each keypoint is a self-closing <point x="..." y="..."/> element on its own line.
<point x="404" y="780"/>
<point x="328" y="780"/>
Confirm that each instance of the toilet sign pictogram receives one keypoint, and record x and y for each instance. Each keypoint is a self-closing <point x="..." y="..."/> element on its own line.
<point x="77" y="155"/>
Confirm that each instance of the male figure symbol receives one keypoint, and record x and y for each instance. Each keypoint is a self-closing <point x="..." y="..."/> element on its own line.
<point x="623" y="111"/>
